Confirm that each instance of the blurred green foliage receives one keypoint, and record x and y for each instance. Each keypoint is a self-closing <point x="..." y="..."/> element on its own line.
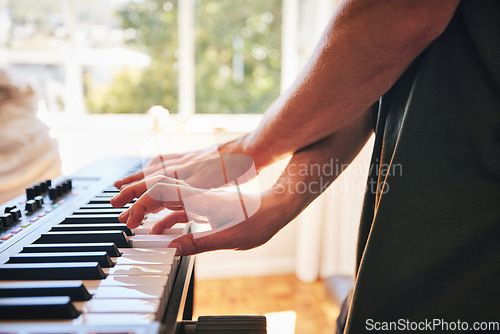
<point x="237" y="47"/>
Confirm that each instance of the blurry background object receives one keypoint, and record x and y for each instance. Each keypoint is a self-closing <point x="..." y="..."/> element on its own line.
<point x="27" y="152"/>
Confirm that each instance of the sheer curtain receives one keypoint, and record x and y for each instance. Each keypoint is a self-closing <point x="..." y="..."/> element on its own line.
<point x="328" y="228"/>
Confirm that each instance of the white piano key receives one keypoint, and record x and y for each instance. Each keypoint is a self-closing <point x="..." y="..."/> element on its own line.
<point x="145" y="269"/>
<point x="151" y="306"/>
<point x="124" y="292"/>
<point x="138" y="280"/>
<point x="156" y="217"/>
<point x="145" y="229"/>
<point x="136" y="292"/>
<point x="142" y="230"/>
<point x="118" y="318"/>
<point x="148" y="223"/>
<point x="173" y="231"/>
<point x="152" y="241"/>
<point x="146" y="251"/>
<point x="145" y="259"/>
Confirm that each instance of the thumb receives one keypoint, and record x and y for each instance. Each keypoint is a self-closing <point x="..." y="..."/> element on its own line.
<point x="195" y="243"/>
<point x="169" y="221"/>
<point x="184" y="245"/>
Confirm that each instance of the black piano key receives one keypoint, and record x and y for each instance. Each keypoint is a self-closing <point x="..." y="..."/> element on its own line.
<point x="102" y="211"/>
<point x="104" y="200"/>
<point x="100" y="257"/>
<point x="105" y="195"/>
<point x="111" y="190"/>
<point x="73" y="289"/>
<point x="117" y="237"/>
<point x="25" y="308"/>
<point x="108" y="247"/>
<point x="93" y="227"/>
<point x="51" y="271"/>
<point x="95" y="219"/>
<point x="99" y="201"/>
<point x="103" y="206"/>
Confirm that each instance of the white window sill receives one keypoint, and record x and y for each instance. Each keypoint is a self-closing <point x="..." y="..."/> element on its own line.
<point x="144" y="123"/>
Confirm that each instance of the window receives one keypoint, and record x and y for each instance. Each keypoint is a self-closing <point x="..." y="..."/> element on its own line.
<point x="123" y="56"/>
<point x="238" y="55"/>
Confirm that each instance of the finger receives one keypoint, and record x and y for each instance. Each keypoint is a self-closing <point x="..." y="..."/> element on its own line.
<point x="157" y="210"/>
<point x="172" y="192"/>
<point x="136" y="212"/>
<point x="169" y="221"/>
<point x="149" y="171"/>
<point x="166" y="157"/>
<point x="166" y="195"/>
<point x="129" y="179"/>
<point x="221" y="238"/>
<point x="128" y="193"/>
<point x="122" y="218"/>
<point x="135" y="190"/>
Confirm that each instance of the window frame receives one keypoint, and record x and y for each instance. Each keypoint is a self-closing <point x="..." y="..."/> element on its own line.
<point x="296" y="44"/>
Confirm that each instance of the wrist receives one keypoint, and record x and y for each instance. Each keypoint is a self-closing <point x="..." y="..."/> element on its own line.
<point x="262" y="155"/>
<point x="245" y="145"/>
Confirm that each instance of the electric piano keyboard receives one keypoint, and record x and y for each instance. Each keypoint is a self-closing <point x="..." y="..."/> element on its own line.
<point x="68" y="266"/>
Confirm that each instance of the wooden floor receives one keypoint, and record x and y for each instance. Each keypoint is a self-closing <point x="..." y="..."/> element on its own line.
<point x="274" y="296"/>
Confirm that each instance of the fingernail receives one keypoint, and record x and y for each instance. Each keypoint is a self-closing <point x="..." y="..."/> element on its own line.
<point x="121" y="216"/>
<point x="178" y="248"/>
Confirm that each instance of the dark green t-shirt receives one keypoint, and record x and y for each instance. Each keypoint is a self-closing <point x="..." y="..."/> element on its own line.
<point x="429" y="237"/>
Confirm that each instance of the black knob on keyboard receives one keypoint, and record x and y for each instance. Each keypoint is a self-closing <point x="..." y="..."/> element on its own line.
<point x="59" y="190"/>
<point x="9" y="208"/>
<point x="38" y="190"/>
<point x="14" y="211"/>
<point x="39" y="201"/>
<point x="30" y="193"/>
<point x="16" y="214"/>
<point x="52" y="193"/>
<point x="65" y="187"/>
<point x="31" y="206"/>
<point x="69" y="185"/>
<point x="6" y="220"/>
<point x="43" y="187"/>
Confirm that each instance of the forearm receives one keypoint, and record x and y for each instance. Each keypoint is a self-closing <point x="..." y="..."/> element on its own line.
<point x="312" y="169"/>
<point x="364" y="50"/>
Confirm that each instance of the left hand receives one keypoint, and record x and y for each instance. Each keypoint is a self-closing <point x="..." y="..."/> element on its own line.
<point x="237" y="221"/>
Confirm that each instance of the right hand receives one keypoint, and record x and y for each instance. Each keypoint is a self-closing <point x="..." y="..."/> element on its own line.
<point x="168" y="164"/>
<point x="206" y="168"/>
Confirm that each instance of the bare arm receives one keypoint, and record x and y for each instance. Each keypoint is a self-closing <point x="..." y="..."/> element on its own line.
<point x="366" y="47"/>
<point x="273" y="209"/>
<point x="364" y="50"/>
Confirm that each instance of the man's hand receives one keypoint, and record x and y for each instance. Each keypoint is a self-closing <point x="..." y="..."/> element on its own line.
<point x="206" y="168"/>
<point x="169" y="164"/>
<point x="323" y="115"/>
<point x="215" y="206"/>
<point x="239" y="221"/>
